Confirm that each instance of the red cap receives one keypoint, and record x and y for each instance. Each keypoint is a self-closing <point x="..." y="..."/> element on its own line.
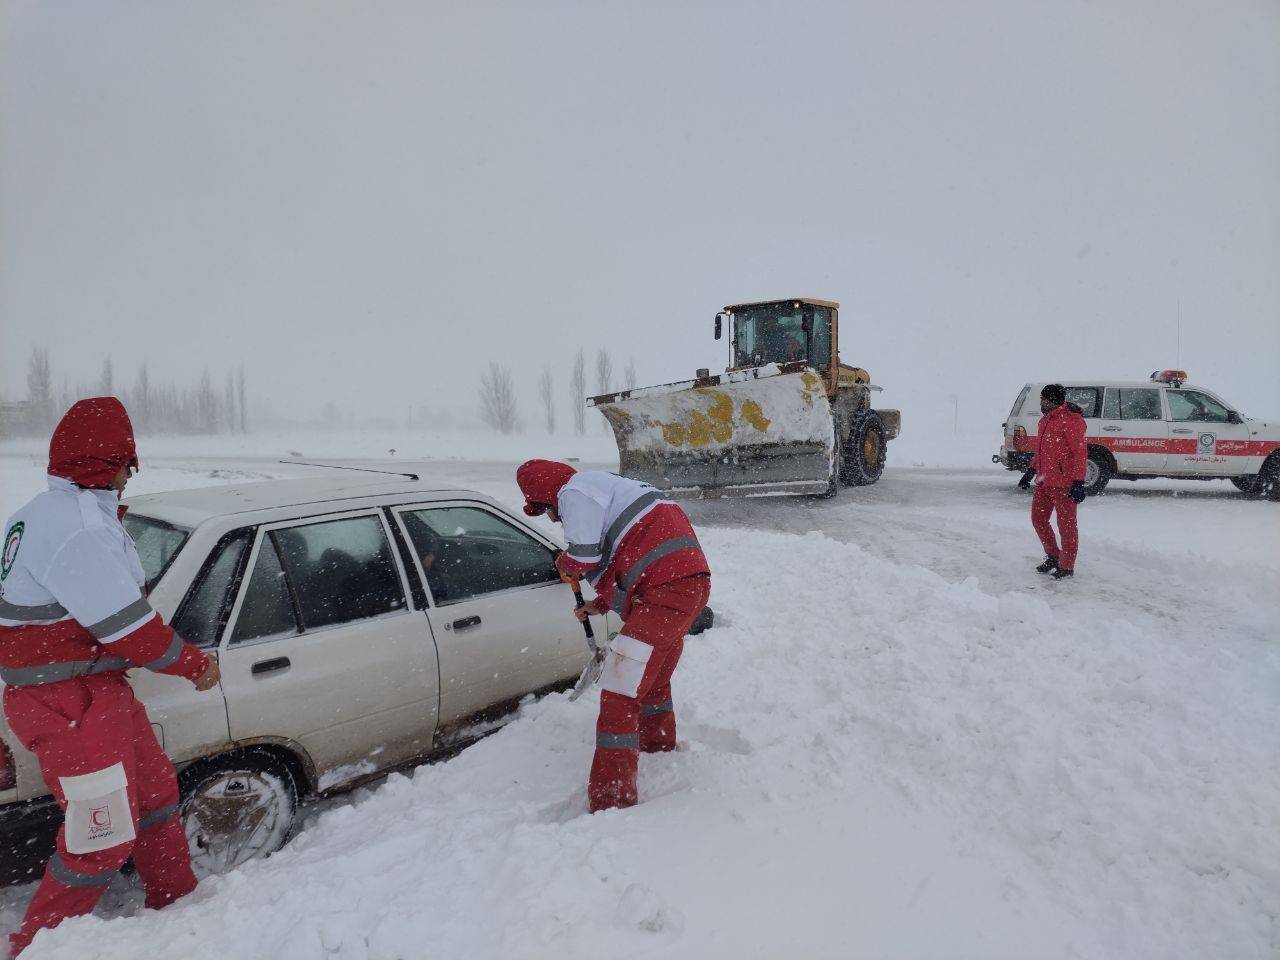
<point x="541" y="482"/>
<point x="92" y="442"/>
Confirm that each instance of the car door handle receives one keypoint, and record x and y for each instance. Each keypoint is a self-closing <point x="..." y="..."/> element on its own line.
<point x="1113" y="429"/>
<point x="1184" y="431"/>
<point x="270" y="666"/>
<point x="465" y="623"/>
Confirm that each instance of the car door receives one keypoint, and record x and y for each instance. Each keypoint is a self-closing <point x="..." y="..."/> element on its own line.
<point x="323" y="648"/>
<point x="1204" y="440"/>
<point x="1134" y="429"/>
<point x="502" y="619"/>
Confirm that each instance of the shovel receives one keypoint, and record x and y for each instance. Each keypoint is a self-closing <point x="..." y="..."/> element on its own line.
<point x="591" y="672"/>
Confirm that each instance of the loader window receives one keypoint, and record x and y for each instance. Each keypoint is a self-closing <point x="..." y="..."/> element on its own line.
<point x="820" y="340"/>
<point x="771" y="333"/>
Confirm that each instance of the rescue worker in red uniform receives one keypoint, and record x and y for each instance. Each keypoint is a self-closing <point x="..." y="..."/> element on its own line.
<point x="1058" y="469"/>
<point x="640" y="553"/>
<point x="73" y="618"/>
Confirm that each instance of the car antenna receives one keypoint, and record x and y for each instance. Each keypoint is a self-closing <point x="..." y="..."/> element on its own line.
<point x="338" y="466"/>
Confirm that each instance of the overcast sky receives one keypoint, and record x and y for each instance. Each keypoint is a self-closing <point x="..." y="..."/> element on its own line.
<point x="366" y="202"/>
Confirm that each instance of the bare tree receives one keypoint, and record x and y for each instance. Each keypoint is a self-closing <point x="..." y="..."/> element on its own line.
<point x="229" y="403"/>
<point x="241" y="399"/>
<point x="40" y="390"/>
<point x="142" y="398"/>
<point x="545" y="386"/>
<point x="107" y="380"/>
<point x="498" y="398"/>
<point x="604" y="371"/>
<point x="604" y="379"/>
<point x="578" y="392"/>
<point x="629" y="376"/>
<point x="205" y="403"/>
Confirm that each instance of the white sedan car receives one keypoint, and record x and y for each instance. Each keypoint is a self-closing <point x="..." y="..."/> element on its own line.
<point x="359" y="625"/>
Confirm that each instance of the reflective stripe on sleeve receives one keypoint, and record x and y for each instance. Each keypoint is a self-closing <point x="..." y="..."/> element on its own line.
<point x="73" y="878"/>
<point x="584" y="552"/>
<point x="57" y="672"/>
<point x="618" y="741"/>
<point x="20" y="613"/>
<point x="130" y="616"/>
<point x="169" y="657"/>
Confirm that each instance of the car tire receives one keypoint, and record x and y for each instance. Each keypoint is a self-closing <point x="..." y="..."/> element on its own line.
<point x="1098" y="471"/>
<point x="1247" y="485"/>
<point x="865" y="451"/>
<point x="237" y="808"/>
<point x="702" y="622"/>
<point x="1266" y="485"/>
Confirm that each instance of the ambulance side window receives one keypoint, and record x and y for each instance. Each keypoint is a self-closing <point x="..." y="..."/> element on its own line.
<point x="1141" y="403"/>
<point x="1111" y="404"/>
<point x="1086" y="398"/>
<point x="1192" y="405"/>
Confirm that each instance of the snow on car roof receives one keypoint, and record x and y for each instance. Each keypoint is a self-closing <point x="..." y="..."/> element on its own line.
<point x="191" y="507"/>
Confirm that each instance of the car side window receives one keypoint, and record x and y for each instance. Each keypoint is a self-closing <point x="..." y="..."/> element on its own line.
<point x="1140" y="403"/>
<point x="267" y="610"/>
<point x="1111" y="404"/>
<point x="1086" y="398"/>
<point x="1188" y="405"/>
<point x="340" y="570"/>
<point x="200" y="617"/>
<point x="466" y="552"/>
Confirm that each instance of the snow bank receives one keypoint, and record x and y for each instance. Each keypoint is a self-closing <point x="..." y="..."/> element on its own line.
<point x="875" y="762"/>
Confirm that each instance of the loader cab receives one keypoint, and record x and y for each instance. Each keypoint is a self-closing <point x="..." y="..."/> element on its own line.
<point x="782" y="332"/>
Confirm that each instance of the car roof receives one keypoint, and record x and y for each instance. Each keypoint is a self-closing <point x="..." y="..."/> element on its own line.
<point x="194" y="506"/>
<point x="1185" y="385"/>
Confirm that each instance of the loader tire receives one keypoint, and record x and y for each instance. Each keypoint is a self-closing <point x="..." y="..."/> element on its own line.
<point x="862" y="460"/>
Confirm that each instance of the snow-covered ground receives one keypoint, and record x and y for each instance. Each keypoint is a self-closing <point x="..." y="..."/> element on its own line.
<point x="898" y="741"/>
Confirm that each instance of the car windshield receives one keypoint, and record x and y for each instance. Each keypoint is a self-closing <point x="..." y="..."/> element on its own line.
<point x="157" y="542"/>
<point x="768" y="333"/>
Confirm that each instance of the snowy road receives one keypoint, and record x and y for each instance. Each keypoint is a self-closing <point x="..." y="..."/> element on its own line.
<point x="898" y="741"/>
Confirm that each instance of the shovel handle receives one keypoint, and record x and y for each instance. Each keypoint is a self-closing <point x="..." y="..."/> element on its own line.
<point x="576" y="585"/>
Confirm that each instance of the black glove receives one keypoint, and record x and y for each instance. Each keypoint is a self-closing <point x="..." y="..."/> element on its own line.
<point x="1077" y="491"/>
<point x="1025" y="482"/>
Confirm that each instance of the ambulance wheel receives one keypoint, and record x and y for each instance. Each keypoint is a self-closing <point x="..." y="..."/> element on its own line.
<point x="236" y="808"/>
<point x="1246" y="485"/>
<point x="1266" y="485"/>
<point x="1098" y="471"/>
<point x="865" y="451"/>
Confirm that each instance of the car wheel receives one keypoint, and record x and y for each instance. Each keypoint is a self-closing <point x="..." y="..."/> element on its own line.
<point x="864" y="455"/>
<point x="1246" y="485"/>
<point x="235" y="809"/>
<point x="1097" y="472"/>
<point x="702" y="622"/>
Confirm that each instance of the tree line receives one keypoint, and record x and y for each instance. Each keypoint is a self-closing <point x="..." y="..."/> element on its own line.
<point x="200" y="407"/>
<point x="500" y="409"/>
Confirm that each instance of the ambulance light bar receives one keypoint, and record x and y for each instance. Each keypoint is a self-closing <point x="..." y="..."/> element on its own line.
<point x="1175" y="377"/>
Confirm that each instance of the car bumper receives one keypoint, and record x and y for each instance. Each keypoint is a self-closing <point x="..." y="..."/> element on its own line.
<point x="1013" y="459"/>
<point x="28" y="832"/>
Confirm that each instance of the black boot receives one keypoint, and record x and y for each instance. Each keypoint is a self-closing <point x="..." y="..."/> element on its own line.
<point x="1050" y="564"/>
<point x="1062" y="573"/>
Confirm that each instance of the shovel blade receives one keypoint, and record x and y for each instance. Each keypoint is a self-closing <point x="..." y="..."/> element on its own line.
<point x="587" y="680"/>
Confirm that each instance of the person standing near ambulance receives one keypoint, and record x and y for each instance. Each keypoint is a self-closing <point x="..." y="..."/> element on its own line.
<point x="1058" y="469"/>
<point x="640" y="553"/>
<point x="73" y="619"/>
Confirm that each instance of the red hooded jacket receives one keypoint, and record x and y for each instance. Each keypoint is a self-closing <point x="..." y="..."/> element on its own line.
<point x="1061" y="452"/>
<point x="71" y="600"/>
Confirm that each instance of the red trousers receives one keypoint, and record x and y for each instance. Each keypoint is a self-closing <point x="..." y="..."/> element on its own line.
<point x="636" y="710"/>
<point x="1045" y="502"/>
<point x="87" y="726"/>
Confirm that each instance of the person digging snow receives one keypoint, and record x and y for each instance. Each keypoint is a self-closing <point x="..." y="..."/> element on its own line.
<point x="640" y="553"/>
<point x="73" y="618"/>
<point x="1058" y="469"/>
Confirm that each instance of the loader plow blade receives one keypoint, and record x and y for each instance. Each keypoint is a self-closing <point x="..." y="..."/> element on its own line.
<point x="754" y="432"/>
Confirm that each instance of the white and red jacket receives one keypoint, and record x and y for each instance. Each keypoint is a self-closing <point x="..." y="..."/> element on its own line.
<point x="622" y="536"/>
<point x="71" y="590"/>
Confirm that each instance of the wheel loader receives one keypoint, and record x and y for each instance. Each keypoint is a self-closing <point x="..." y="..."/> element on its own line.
<point x="786" y="416"/>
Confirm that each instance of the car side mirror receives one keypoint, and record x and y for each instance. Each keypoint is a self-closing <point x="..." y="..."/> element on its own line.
<point x="1233" y="417"/>
<point x="719" y="316"/>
